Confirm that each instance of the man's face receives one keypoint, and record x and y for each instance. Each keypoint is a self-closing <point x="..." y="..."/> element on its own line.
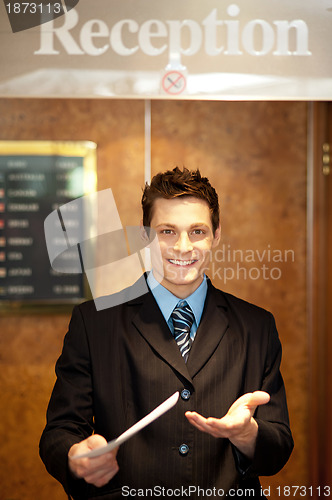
<point x="184" y="230"/>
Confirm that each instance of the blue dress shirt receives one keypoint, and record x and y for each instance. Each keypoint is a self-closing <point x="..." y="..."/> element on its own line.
<point x="167" y="302"/>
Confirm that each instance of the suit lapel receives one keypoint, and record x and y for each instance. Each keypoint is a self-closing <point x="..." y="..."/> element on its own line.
<point x="212" y="328"/>
<point x="151" y="324"/>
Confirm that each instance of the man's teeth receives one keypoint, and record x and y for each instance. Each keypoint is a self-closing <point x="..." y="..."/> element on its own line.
<point x="181" y="262"/>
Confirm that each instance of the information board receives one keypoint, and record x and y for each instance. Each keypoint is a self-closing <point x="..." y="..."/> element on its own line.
<point x="35" y="179"/>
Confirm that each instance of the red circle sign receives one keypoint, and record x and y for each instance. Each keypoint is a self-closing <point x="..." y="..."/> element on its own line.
<point x="174" y="82"/>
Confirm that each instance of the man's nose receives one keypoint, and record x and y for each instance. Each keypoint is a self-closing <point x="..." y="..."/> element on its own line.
<point x="183" y="243"/>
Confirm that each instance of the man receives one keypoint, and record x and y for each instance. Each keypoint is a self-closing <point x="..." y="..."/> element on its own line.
<point x="230" y="424"/>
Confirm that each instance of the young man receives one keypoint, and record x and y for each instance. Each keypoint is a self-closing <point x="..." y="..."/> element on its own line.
<point x="230" y="424"/>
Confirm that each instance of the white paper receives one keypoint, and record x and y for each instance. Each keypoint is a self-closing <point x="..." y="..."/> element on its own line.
<point x="156" y="413"/>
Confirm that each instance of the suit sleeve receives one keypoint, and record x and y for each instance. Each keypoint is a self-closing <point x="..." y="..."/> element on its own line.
<point x="70" y="410"/>
<point x="274" y="440"/>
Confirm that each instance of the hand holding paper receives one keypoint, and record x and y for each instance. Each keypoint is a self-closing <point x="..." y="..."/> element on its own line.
<point x="98" y="471"/>
<point x="103" y="466"/>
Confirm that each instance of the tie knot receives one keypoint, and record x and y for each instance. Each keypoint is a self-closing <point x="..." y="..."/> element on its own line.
<point x="182" y="317"/>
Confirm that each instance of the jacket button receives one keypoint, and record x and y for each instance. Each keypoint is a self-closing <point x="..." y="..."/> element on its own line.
<point x="184" y="449"/>
<point x="185" y="394"/>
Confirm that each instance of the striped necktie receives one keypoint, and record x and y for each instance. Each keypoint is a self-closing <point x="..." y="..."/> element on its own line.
<point x="183" y="318"/>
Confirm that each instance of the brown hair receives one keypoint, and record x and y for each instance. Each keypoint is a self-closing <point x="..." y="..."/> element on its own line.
<point x="175" y="183"/>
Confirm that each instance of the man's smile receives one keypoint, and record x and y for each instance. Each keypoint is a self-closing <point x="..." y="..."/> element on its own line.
<point x="182" y="262"/>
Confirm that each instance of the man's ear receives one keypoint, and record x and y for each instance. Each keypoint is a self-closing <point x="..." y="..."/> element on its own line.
<point x="217" y="236"/>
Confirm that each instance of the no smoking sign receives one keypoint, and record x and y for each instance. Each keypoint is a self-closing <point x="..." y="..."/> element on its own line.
<point x="174" y="82"/>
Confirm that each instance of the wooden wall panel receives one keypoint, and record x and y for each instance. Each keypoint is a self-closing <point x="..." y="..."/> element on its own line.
<point x="320" y="292"/>
<point x="30" y="345"/>
<point x="255" y="155"/>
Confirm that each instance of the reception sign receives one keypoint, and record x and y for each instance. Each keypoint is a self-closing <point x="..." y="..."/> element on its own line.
<point x="256" y="49"/>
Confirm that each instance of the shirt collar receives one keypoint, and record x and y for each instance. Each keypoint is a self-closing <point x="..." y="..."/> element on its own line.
<point x="167" y="301"/>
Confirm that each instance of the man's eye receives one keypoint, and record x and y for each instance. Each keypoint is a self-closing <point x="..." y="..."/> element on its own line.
<point x="198" y="231"/>
<point x="167" y="231"/>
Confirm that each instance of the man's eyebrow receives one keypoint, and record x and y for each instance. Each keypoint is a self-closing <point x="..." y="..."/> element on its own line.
<point x="166" y="224"/>
<point x="199" y="224"/>
<point x="195" y="224"/>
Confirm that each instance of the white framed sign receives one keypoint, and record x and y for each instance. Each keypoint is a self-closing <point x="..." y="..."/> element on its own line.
<point x="258" y="49"/>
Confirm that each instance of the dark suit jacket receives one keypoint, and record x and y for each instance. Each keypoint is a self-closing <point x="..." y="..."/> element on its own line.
<point x="119" y="363"/>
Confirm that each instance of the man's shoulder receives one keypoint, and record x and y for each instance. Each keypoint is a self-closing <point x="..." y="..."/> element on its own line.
<point x="113" y="302"/>
<point x="237" y="304"/>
